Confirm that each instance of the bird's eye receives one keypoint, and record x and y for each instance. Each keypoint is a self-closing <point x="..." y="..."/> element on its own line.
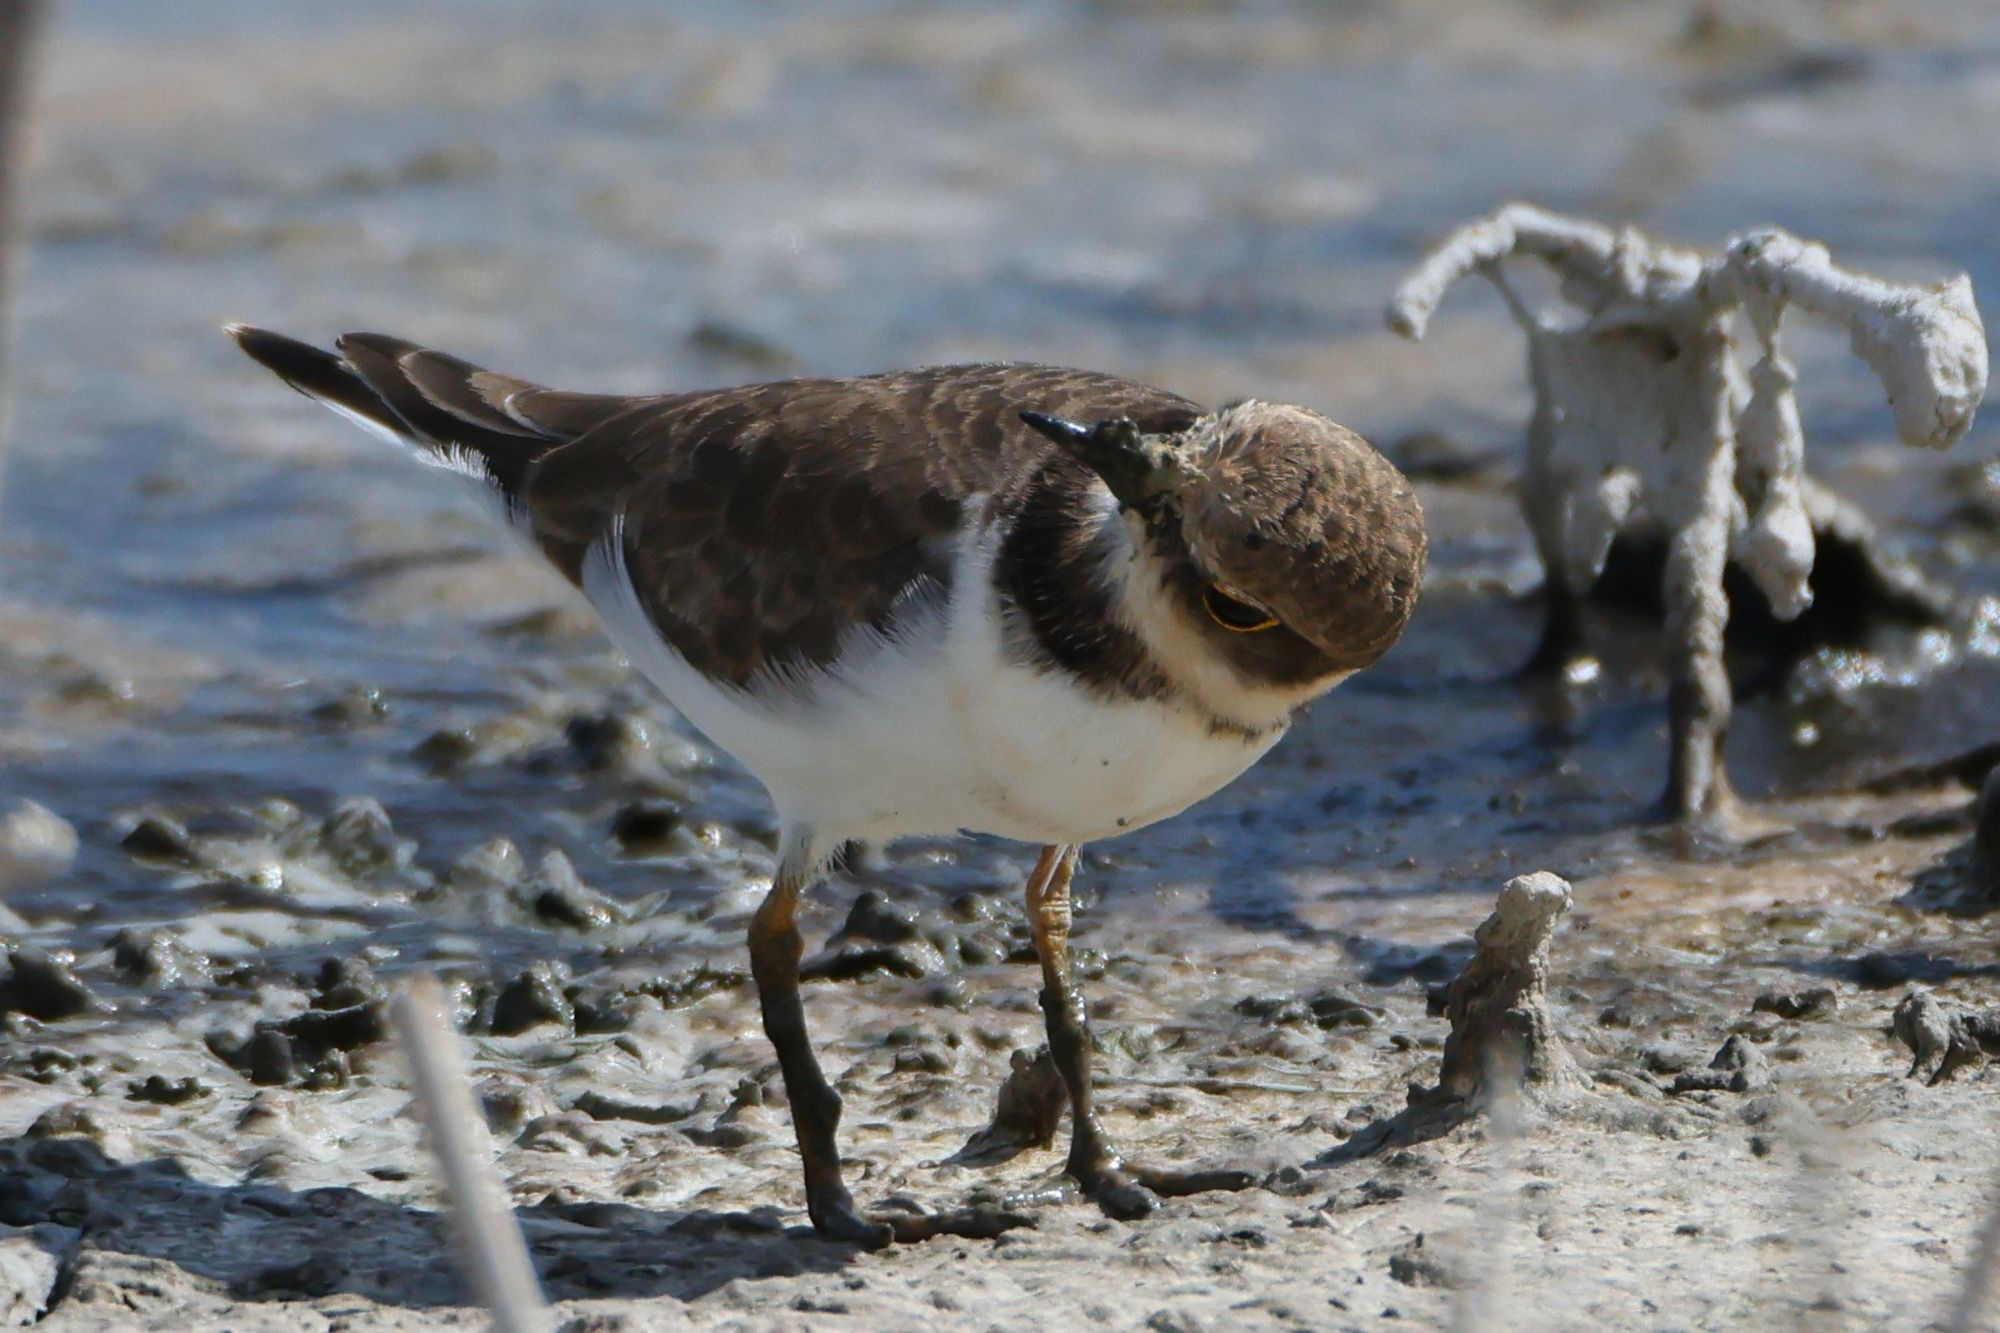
<point x="1234" y="613"/>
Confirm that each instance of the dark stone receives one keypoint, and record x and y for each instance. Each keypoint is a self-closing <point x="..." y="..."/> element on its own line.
<point x="1333" y="1008"/>
<point x="972" y="907"/>
<point x="921" y="1060"/>
<point x="344" y="983"/>
<point x="319" y="1030"/>
<point x="46" y="1064"/>
<point x="43" y="986"/>
<point x="267" y="1058"/>
<point x="979" y="949"/>
<point x="531" y="998"/>
<point x="850" y="964"/>
<point x="61" y="1152"/>
<point x="1416" y="1266"/>
<point x="360" y="838"/>
<point x="1277" y="1010"/>
<point x="692" y="983"/>
<point x="948" y="992"/>
<point x="599" y="1107"/>
<point x="157" y="838"/>
<point x="724" y="1136"/>
<point x="613" y="741"/>
<point x="1740" y="1066"/>
<point x="560" y="896"/>
<point x="25" y="1195"/>
<point x="731" y="342"/>
<point x="643" y="828"/>
<point x="1429" y="455"/>
<point x="157" y="957"/>
<point x="356" y="708"/>
<point x="156" y="1088"/>
<point x="1819" y="1002"/>
<point x="599" y="1010"/>
<point x="443" y="751"/>
<point x="874" y="917"/>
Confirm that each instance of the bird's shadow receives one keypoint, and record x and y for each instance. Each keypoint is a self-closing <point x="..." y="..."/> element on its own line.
<point x="265" y="1243"/>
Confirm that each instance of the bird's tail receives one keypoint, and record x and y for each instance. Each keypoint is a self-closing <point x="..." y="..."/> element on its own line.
<point x="448" y="413"/>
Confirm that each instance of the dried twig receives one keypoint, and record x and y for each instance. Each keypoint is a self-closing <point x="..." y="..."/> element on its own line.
<point x="502" y="1274"/>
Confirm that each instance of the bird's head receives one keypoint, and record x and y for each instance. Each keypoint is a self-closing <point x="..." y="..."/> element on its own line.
<point x="1265" y="536"/>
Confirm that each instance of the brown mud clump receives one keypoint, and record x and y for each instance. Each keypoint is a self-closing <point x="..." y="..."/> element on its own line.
<point x="1027" y="1113"/>
<point x="1944" y="1038"/>
<point x="1503" y="1040"/>
<point x="1502" y="1034"/>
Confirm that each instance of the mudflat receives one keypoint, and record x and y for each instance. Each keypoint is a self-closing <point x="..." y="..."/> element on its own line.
<point x="315" y="725"/>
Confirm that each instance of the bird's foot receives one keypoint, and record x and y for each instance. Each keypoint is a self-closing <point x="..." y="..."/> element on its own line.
<point x="901" y="1222"/>
<point x="1128" y="1192"/>
<point x="1724" y="823"/>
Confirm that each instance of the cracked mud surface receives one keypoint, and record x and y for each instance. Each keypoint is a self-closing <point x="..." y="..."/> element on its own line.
<point x="315" y="725"/>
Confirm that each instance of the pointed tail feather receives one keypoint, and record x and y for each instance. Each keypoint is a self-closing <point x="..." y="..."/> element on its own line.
<point x="322" y="376"/>
<point x="434" y="404"/>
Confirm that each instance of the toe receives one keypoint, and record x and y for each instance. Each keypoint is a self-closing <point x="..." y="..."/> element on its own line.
<point x="837" y="1220"/>
<point x="1126" y="1199"/>
<point x="1173" y="1184"/>
<point x="979" y="1223"/>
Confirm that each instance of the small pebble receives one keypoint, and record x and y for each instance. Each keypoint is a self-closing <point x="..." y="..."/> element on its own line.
<point x="599" y="1010"/>
<point x="561" y="896"/>
<point x="346" y="982"/>
<point x="493" y="865"/>
<point x="1740" y="1066"/>
<point x="267" y="1058"/>
<point x="643" y="828"/>
<point x="617" y="742"/>
<point x="43" y="986"/>
<point x="157" y="838"/>
<point x="157" y="957"/>
<point x="360" y="838"/>
<point x="157" y="1089"/>
<point x="874" y="917"/>
<point x="443" y="751"/>
<point x="533" y="997"/>
<point x="1819" y="1002"/>
<point x="355" y="708"/>
<point x="36" y="845"/>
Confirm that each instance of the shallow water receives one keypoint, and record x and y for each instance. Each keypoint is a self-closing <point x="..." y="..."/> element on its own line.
<point x="1218" y="198"/>
<point x="220" y="605"/>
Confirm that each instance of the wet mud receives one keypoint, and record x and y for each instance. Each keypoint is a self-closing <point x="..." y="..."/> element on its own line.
<point x="281" y="722"/>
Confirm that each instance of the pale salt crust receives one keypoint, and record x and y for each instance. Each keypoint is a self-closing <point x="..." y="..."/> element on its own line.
<point x="1645" y="417"/>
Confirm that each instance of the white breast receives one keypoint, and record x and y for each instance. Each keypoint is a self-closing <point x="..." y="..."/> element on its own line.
<point x="932" y="730"/>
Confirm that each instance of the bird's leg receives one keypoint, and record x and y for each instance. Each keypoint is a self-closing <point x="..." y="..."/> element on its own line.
<point x="1121" y="1190"/>
<point x="775" y="950"/>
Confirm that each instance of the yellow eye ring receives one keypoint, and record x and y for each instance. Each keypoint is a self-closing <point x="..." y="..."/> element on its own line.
<point x="1233" y="613"/>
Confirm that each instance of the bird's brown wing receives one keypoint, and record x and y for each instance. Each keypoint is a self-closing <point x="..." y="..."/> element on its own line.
<point x="764" y="524"/>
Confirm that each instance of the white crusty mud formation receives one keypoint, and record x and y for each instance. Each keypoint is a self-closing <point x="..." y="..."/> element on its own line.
<point x="1646" y="418"/>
